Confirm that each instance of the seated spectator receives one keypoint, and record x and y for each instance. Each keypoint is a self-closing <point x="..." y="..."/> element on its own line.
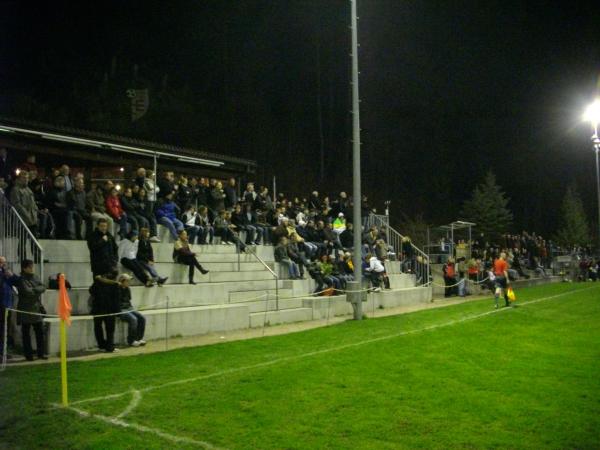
<point x="244" y="220"/>
<point x="22" y="199"/>
<point x="166" y="214"/>
<point x="296" y="255"/>
<point x="345" y="268"/>
<point x="208" y="231"/>
<point x="166" y="185"/>
<point x="103" y="249"/>
<point x="226" y="230"/>
<point x="250" y="196"/>
<point x="282" y="257"/>
<point x="127" y="250"/>
<point x="76" y="201"/>
<point x="57" y="204"/>
<point x="145" y="256"/>
<point x="115" y="210"/>
<point x="347" y="237"/>
<point x="376" y="271"/>
<point x="314" y="270"/>
<point x="96" y="205"/>
<point x="104" y="293"/>
<point x="145" y="208"/>
<point x="30" y="290"/>
<point x="339" y="224"/>
<point x="327" y="270"/>
<point x="135" y="321"/>
<point x="182" y="254"/>
<point x="130" y="205"/>
<point x="190" y="222"/>
<point x="46" y="227"/>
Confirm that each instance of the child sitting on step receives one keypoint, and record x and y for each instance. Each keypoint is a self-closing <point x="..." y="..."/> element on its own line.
<point x="135" y="321"/>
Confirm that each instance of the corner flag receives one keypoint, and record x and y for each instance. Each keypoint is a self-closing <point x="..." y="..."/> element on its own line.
<point x="64" y="304"/>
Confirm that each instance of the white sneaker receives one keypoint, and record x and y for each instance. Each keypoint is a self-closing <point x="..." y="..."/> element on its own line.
<point x="154" y="239"/>
<point x="142" y="342"/>
<point x="135" y="344"/>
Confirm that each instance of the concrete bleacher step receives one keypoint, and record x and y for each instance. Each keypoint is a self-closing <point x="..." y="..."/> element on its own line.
<point x="181" y="322"/>
<point x="402" y="280"/>
<point x="57" y="250"/>
<point x="246" y="295"/>
<point x="143" y="298"/>
<point x="80" y="275"/>
<point x="260" y="319"/>
<point x="273" y="305"/>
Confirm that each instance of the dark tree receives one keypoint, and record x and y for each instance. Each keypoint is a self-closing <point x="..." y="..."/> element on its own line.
<point x="574" y="230"/>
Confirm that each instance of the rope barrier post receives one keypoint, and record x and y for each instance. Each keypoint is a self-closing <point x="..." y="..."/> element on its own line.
<point x="63" y="363"/>
<point x="4" y="339"/>
<point x="167" y="326"/>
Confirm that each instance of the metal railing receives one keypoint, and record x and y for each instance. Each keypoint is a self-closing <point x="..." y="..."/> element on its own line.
<point x="17" y="242"/>
<point x="418" y="264"/>
<point x="275" y="276"/>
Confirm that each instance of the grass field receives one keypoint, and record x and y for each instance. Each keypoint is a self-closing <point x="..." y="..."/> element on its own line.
<point x="464" y="376"/>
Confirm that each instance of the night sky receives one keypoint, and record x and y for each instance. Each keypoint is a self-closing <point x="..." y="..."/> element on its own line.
<point x="449" y="90"/>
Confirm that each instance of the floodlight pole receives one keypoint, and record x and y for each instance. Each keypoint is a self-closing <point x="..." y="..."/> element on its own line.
<point x="355" y="296"/>
<point x="596" y="144"/>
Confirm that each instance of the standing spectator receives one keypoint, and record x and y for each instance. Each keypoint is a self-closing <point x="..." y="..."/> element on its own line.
<point x="231" y="196"/>
<point x="105" y="305"/>
<point x="314" y="202"/>
<point x="65" y="172"/>
<point x="166" y="185"/>
<point x="250" y="196"/>
<point x="182" y="254"/>
<point x="347" y="236"/>
<point x="4" y="165"/>
<point x="6" y="299"/>
<point x="96" y="205"/>
<point x="76" y="202"/>
<point x="202" y="193"/>
<point x="127" y="250"/>
<point x="184" y="194"/>
<point x="145" y="256"/>
<point x="23" y="201"/>
<point x="30" y="290"/>
<point x="115" y="210"/>
<point x="152" y="190"/>
<point x="145" y="209"/>
<point x="135" y="321"/>
<point x="166" y="214"/>
<point x="57" y="204"/>
<point x="218" y="197"/>
<point x="282" y="257"/>
<point x="103" y="249"/>
<point x="450" y="278"/>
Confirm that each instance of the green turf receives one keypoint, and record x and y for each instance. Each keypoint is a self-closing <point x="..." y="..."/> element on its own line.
<point x="527" y="377"/>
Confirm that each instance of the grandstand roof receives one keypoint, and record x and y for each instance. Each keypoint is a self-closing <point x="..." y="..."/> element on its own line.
<point x="78" y="136"/>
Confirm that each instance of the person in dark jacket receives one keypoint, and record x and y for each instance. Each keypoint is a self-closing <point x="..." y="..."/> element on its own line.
<point x="184" y="194"/>
<point x="245" y="220"/>
<point x="282" y="256"/>
<point x="182" y="254"/>
<point x="136" y="322"/>
<point x="145" y="208"/>
<point x="231" y="196"/>
<point x="217" y="195"/>
<point x="57" y="204"/>
<point x="30" y="290"/>
<point x="166" y="214"/>
<point x="6" y="299"/>
<point x="76" y="202"/>
<point x="145" y="256"/>
<point x="103" y="249"/>
<point x="105" y="305"/>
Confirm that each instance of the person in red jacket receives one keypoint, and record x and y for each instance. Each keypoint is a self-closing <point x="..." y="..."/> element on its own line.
<point x="502" y="281"/>
<point x="114" y="209"/>
<point x="450" y="278"/>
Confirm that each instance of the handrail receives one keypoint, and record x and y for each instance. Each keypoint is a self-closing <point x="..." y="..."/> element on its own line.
<point x="13" y="228"/>
<point x="276" y="277"/>
<point x="394" y="238"/>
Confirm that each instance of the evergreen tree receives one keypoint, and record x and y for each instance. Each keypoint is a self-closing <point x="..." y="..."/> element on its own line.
<point x="574" y="230"/>
<point x="488" y="208"/>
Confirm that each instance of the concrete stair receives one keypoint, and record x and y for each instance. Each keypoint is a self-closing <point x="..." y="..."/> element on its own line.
<point x="225" y="299"/>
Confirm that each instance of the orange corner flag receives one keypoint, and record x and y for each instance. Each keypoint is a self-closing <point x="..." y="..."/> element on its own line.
<point x="64" y="304"/>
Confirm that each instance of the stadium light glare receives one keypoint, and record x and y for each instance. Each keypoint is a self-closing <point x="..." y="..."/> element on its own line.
<point x="592" y="113"/>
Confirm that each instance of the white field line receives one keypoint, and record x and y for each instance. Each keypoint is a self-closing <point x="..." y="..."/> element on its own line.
<point x="144" y="429"/>
<point x="324" y="351"/>
<point x="136" y="397"/>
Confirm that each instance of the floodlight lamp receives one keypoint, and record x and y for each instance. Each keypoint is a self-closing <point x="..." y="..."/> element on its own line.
<point x="592" y="113"/>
